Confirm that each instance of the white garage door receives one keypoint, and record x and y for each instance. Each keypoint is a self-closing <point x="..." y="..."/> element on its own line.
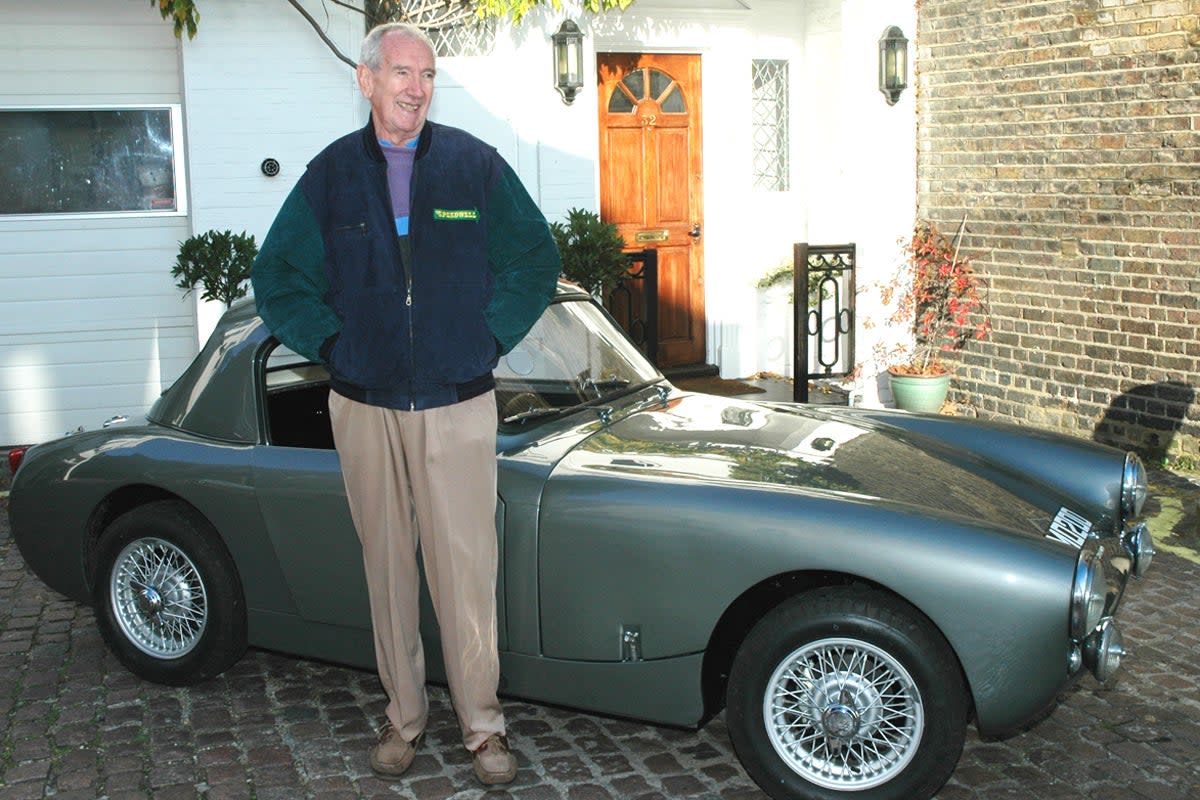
<point x="91" y="324"/>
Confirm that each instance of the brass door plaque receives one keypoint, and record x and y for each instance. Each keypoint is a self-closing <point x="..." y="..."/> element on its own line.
<point x="659" y="235"/>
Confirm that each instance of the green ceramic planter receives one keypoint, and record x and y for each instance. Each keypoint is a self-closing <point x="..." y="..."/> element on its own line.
<point x="920" y="392"/>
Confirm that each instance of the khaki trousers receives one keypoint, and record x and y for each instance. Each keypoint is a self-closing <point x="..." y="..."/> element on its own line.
<point x="428" y="478"/>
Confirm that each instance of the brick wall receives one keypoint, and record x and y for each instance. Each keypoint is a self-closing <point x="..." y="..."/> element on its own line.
<point x="1068" y="133"/>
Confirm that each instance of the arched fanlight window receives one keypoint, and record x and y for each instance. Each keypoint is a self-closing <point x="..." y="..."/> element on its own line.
<point x="644" y="84"/>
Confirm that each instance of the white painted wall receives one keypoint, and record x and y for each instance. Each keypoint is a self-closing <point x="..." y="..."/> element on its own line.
<point x="853" y="177"/>
<point x="259" y="83"/>
<point x="91" y="324"/>
<point x="860" y="159"/>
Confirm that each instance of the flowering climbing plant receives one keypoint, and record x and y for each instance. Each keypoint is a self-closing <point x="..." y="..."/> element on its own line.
<point x="939" y="294"/>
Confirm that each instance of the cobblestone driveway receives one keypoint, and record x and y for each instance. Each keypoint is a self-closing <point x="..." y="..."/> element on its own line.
<point x="74" y="724"/>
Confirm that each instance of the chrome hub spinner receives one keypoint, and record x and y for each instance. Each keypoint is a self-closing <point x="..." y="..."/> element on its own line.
<point x="149" y="602"/>
<point x="841" y="722"/>
<point x="849" y="703"/>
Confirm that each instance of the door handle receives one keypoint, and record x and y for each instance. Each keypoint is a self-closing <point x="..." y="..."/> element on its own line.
<point x="695" y="231"/>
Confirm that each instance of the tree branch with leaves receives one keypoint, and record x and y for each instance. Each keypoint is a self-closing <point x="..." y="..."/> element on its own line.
<point x="425" y="14"/>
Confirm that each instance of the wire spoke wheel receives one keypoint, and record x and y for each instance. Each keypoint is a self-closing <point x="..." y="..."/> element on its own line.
<point x="843" y="714"/>
<point x="168" y="595"/>
<point x="847" y="692"/>
<point x="158" y="598"/>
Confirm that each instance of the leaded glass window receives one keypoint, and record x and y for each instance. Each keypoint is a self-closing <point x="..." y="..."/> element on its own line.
<point x="769" y="118"/>
<point x="451" y="24"/>
<point x="473" y="38"/>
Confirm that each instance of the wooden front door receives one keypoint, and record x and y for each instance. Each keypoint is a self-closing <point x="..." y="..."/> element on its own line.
<point x="650" y="183"/>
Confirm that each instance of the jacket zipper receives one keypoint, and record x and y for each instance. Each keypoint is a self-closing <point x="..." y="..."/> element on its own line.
<point x="408" y="298"/>
<point x="412" y="357"/>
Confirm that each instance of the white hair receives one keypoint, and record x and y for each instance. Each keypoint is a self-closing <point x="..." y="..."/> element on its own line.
<point x="372" y="44"/>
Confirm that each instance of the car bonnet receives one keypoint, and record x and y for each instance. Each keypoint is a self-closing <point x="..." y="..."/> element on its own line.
<point x="707" y="439"/>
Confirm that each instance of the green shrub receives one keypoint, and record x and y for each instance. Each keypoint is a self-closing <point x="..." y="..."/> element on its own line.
<point x="591" y="251"/>
<point x="218" y="262"/>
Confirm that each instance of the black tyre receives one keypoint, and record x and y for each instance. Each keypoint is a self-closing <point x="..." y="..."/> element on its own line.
<point x="168" y="599"/>
<point x="846" y="693"/>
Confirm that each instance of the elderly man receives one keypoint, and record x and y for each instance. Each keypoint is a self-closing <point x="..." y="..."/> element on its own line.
<point x="408" y="258"/>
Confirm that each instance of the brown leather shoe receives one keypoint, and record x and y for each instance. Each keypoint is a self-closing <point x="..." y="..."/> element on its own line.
<point x="494" y="763"/>
<point x="392" y="756"/>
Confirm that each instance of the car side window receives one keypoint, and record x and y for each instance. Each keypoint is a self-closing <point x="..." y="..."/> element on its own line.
<point x="296" y="393"/>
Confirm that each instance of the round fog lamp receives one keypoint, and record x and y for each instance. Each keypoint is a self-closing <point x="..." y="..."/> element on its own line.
<point x="1139" y="544"/>
<point x="1103" y="651"/>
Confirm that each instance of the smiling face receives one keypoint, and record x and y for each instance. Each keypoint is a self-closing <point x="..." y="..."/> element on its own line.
<point x="399" y="88"/>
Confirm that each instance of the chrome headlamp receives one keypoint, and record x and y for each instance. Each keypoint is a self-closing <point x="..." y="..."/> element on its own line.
<point x="1089" y="593"/>
<point x="1134" y="487"/>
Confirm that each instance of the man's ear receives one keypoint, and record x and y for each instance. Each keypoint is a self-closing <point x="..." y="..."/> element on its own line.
<point x="366" y="80"/>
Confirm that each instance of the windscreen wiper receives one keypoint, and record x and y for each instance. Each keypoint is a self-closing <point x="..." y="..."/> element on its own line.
<point x="531" y="413"/>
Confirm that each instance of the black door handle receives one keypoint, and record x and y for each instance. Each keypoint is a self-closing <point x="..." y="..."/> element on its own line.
<point x="695" y="231"/>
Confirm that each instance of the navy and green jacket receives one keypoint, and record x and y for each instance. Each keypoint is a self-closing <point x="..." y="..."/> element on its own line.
<point x="406" y="322"/>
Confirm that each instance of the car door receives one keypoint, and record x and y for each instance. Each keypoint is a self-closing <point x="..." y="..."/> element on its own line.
<point x="302" y="498"/>
<point x="303" y="504"/>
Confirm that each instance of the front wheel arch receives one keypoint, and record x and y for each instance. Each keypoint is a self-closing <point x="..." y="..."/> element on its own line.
<point x="755" y="603"/>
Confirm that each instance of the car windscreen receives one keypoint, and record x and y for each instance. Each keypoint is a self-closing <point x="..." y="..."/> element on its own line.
<point x="573" y="356"/>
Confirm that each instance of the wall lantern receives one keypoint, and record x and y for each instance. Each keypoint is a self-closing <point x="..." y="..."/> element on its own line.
<point x="893" y="64"/>
<point x="568" y="60"/>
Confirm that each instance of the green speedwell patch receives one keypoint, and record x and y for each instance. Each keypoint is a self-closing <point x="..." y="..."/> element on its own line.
<point x="456" y="214"/>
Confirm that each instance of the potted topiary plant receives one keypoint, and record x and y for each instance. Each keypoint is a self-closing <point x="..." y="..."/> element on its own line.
<point x="939" y="295"/>
<point x="218" y="262"/>
<point x="592" y="251"/>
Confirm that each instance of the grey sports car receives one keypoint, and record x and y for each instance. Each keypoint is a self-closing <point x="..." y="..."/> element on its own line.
<point x="853" y="586"/>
